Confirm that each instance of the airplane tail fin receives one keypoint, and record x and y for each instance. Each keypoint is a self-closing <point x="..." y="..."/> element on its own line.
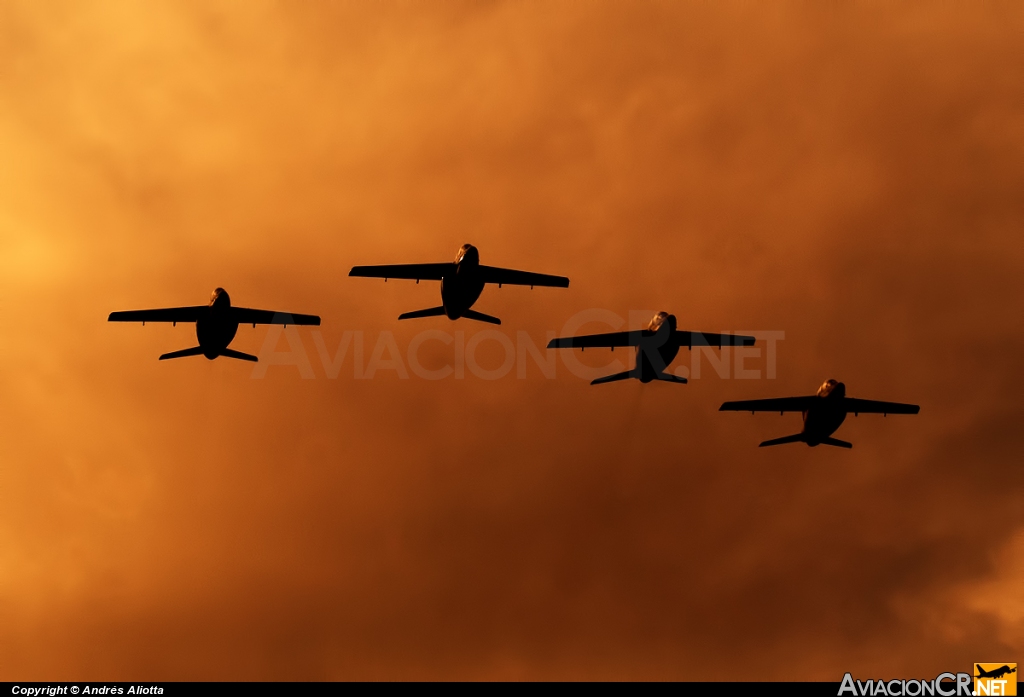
<point x="668" y="377"/>
<point x="613" y="378"/>
<point x="429" y="312"/>
<point x="197" y="351"/>
<point x="228" y="353"/>
<point x="836" y="442"/>
<point x="480" y="317"/>
<point x="795" y="438"/>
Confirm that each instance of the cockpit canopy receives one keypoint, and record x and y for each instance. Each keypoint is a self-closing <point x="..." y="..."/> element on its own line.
<point x="468" y="253"/>
<point x="220" y="297"/>
<point x="832" y="386"/>
<point x="661" y="318"/>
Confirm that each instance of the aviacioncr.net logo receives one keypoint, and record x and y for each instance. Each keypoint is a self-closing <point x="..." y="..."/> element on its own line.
<point x="995" y="679"/>
<point x="944" y="685"/>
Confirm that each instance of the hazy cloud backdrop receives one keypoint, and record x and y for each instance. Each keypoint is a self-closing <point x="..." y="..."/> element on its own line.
<point x="850" y="174"/>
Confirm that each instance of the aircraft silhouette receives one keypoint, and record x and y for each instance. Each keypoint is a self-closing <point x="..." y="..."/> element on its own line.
<point x="462" y="281"/>
<point x="656" y="347"/>
<point x="216" y="324"/>
<point x="823" y="413"/>
<point x="995" y="673"/>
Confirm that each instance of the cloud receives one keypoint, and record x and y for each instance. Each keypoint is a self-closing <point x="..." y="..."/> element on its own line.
<point x="849" y="176"/>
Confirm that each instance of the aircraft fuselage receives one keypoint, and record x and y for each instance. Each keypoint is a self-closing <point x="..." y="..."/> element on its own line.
<point x="463" y="287"/>
<point x="823" y="419"/>
<point x="655" y="353"/>
<point x="215" y="330"/>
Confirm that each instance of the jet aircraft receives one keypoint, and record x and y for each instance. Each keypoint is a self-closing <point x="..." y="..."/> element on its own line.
<point x="656" y="347"/>
<point x="996" y="673"/>
<point x="216" y="324"/>
<point x="823" y="413"/>
<point x="462" y="282"/>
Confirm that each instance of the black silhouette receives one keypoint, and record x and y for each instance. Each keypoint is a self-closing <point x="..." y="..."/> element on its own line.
<point x="462" y="281"/>
<point x="656" y="347"/>
<point x="995" y="673"/>
<point x="216" y="324"/>
<point x="823" y="413"/>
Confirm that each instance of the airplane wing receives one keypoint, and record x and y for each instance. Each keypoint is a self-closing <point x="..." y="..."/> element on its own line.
<point x="859" y="406"/>
<point x="780" y="404"/>
<point x="166" y="314"/>
<point x="244" y="315"/>
<point x="705" y="339"/>
<point x="870" y="406"/>
<point x="612" y="340"/>
<point x="426" y="272"/>
<point x="493" y="274"/>
<point x="616" y="339"/>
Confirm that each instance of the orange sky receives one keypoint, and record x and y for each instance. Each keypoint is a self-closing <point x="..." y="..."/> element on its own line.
<point x="849" y="174"/>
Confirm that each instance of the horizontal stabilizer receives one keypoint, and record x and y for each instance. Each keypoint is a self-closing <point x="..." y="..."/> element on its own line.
<point x="480" y="317"/>
<point x="197" y="351"/>
<point x="228" y="353"/>
<point x="836" y="442"/>
<point x="668" y="377"/>
<point x="796" y="438"/>
<point x="613" y="378"/>
<point x="429" y="312"/>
